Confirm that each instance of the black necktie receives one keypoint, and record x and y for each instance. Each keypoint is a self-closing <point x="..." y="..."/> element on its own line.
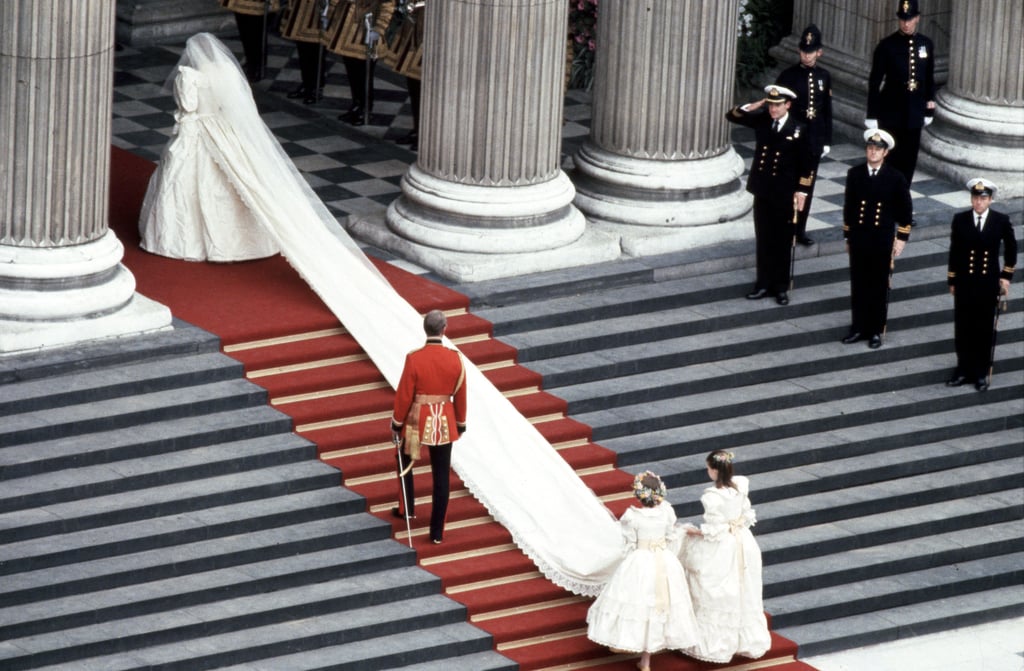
<point x="979" y="222"/>
<point x="873" y="171"/>
<point x="775" y="126"/>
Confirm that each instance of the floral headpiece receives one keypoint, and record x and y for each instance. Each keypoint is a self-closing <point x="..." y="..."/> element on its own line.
<point x="647" y="495"/>
<point x="723" y="457"/>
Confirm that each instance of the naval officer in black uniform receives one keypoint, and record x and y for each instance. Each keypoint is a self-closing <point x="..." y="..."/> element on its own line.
<point x="901" y="87"/>
<point x="976" y="281"/>
<point x="812" y="85"/>
<point x="780" y="178"/>
<point x="877" y="214"/>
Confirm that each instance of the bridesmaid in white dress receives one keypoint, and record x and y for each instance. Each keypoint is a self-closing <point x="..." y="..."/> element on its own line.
<point x="645" y="607"/>
<point x="723" y="567"/>
<point x="195" y="207"/>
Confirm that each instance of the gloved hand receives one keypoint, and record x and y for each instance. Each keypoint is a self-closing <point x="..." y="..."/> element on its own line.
<point x="372" y="37"/>
<point x="825" y="150"/>
<point x="871" y="123"/>
<point x="928" y="120"/>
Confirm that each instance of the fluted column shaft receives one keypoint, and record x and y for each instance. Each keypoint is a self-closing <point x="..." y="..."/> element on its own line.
<point x="486" y="197"/>
<point x="979" y="120"/>
<point x="54" y="179"/>
<point x="61" y="280"/>
<point x="658" y="154"/>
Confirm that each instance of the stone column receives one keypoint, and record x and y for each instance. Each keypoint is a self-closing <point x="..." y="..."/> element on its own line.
<point x="487" y="197"/>
<point x="850" y="31"/>
<point x="61" y="280"/>
<point x="979" y="116"/>
<point x="658" y="168"/>
<point x="155" y="21"/>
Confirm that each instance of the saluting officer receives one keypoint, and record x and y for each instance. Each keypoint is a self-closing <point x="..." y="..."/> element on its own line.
<point x="812" y="105"/>
<point x="877" y="212"/>
<point x="901" y="87"/>
<point x="976" y="281"/>
<point x="780" y="178"/>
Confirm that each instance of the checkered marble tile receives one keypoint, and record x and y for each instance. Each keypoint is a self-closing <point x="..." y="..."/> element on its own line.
<point x="358" y="170"/>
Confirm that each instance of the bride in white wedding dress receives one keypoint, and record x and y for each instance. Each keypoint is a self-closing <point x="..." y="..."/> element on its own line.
<point x="504" y="461"/>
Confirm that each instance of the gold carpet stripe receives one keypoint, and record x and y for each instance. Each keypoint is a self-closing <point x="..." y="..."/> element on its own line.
<point x="539" y="640"/>
<point x="468" y="554"/>
<point x="522" y="391"/>
<point x="594" y="470"/>
<point x="382" y="476"/>
<point x="620" y="496"/>
<point x="343" y="421"/>
<point x="494" y="582"/>
<point x="357" y="451"/>
<point x="284" y="340"/>
<point x="461" y="524"/>
<point x="306" y="365"/>
<point x="575" y="442"/>
<point x="496" y="365"/>
<point x="475" y="337"/>
<point x="330" y="393"/>
<point x="420" y="500"/>
<point x="527" y="608"/>
<point x="541" y="419"/>
<point x="601" y="661"/>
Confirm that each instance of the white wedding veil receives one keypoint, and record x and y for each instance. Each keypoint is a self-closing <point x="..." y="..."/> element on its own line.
<point x="503" y="460"/>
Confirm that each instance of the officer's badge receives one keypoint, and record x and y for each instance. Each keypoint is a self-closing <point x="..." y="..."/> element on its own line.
<point x="809" y="39"/>
<point x="922" y="51"/>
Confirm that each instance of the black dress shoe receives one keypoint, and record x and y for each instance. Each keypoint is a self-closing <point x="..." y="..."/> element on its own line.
<point x="353" y="115"/>
<point x="757" y="294"/>
<point x="956" y="380"/>
<point x="395" y="512"/>
<point x="313" y="97"/>
<point x="804" y="240"/>
<point x="875" y="342"/>
<point x="782" y="298"/>
<point x="852" y="337"/>
<point x="981" y="384"/>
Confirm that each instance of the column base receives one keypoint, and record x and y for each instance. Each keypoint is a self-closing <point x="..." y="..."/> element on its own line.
<point x="464" y="266"/>
<point x="658" y="206"/>
<point x="140" y="315"/>
<point x="970" y="139"/>
<point x="54" y="296"/>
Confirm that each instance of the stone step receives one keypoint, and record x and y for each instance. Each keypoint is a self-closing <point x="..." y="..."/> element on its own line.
<point x="382" y="623"/>
<point x="224" y="459"/>
<point x="146" y="513"/>
<point x="896" y="591"/>
<point x="181" y="341"/>
<point x="66" y="611"/>
<point x="451" y="647"/>
<point x="112" y="382"/>
<point x="49" y="575"/>
<point x="152" y="439"/>
<point x="654" y="436"/>
<point x="267" y="610"/>
<point x="116" y="413"/>
<point x="881" y="626"/>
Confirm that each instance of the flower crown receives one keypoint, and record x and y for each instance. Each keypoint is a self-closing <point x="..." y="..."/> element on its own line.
<point x="648" y="495"/>
<point x="723" y="457"/>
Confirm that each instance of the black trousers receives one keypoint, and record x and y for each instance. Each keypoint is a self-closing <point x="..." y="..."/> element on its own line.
<point x="903" y="156"/>
<point x="773" y="233"/>
<point x="440" y="471"/>
<point x="869" y="287"/>
<point x="801" y="218"/>
<point x="251" y="32"/>
<point x="414" y="87"/>
<point x="973" y="329"/>
<point x="358" y="74"/>
<point x="312" y="65"/>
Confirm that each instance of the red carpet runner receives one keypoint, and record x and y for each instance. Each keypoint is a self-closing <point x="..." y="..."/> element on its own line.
<point x="268" y="319"/>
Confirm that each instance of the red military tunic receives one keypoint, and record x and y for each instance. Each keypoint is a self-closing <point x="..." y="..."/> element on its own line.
<point x="430" y="401"/>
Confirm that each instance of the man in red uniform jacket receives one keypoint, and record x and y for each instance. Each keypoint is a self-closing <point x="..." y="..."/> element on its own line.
<point x="430" y="409"/>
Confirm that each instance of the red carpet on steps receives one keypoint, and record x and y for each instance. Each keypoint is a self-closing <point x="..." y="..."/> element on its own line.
<point x="337" y="399"/>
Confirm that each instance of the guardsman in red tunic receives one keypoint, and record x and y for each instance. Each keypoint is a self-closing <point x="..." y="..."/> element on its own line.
<point x="430" y="410"/>
<point x="977" y="280"/>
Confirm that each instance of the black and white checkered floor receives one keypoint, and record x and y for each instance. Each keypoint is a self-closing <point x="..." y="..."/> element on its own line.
<point x="357" y="171"/>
